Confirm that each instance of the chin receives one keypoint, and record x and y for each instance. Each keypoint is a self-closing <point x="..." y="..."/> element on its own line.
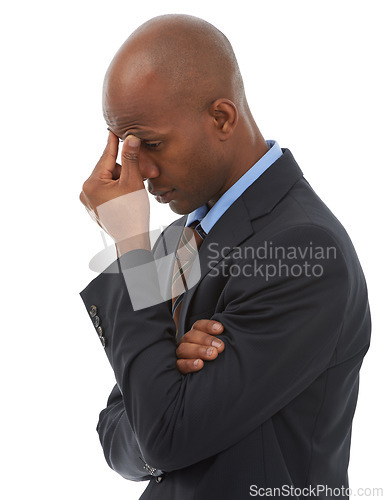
<point x="180" y="209"/>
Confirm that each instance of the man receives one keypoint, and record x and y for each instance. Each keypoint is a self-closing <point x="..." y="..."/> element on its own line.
<point x="272" y="412"/>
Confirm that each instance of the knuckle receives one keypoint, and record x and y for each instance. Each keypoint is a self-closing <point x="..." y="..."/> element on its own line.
<point x="180" y="351"/>
<point x="180" y="365"/>
<point x="194" y="337"/>
<point x="190" y="337"/>
<point x="87" y="187"/>
<point x="196" y="325"/>
<point x="185" y="338"/>
<point x="130" y="156"/>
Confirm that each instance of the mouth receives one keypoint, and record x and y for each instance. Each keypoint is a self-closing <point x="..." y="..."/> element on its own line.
<point x="163" y="196"/>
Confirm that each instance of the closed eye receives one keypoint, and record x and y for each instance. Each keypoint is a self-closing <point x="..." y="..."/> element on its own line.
<point x="152" y="145"/>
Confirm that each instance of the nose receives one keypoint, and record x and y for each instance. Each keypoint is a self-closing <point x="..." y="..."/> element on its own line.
<point x="148" y="168"/>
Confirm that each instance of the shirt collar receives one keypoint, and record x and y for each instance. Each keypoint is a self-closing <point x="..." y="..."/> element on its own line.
<point x="208" y="218"/>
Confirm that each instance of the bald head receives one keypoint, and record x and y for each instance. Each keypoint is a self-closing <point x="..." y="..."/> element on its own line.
<point x="176" y="85"/>
<point x="191" y="59"/>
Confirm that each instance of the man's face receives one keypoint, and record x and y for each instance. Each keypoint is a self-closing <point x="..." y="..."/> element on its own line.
<point x="180" y="153"/>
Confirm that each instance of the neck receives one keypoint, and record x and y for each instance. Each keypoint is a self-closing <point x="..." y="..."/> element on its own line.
<point x="250" y="146"/>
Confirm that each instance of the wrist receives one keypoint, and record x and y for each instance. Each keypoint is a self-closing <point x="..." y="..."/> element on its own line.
<point x="140" y="241"/>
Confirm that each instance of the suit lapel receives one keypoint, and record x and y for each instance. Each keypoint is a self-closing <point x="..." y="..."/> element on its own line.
<point x="227" y="233"/>
<point x="164" y="254"/>
<point x="235" y="225"/>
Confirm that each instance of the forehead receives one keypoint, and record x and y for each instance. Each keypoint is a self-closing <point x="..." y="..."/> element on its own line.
<point x="135" y="103"/>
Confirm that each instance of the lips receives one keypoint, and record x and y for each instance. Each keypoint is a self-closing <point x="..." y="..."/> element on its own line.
<point x="163" y="196"/>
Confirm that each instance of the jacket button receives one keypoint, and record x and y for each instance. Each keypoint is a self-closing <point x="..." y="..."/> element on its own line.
<point x="102" y="340"/>
<point x="99" y="330"/>
<point x="92" y="311"/>
<point x="96" y="321"/>
<point x="159" y="479"/>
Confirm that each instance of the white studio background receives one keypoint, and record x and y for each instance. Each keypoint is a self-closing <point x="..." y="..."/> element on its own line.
<point x="314" y="80"/>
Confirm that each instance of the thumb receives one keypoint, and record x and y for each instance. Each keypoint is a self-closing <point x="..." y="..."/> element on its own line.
<point x="130" y="159"/>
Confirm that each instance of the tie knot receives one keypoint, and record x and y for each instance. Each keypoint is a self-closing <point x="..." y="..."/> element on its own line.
<point x="199" y="232"/>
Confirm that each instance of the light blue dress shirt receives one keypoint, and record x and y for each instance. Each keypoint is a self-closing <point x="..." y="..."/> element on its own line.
<point x="208" y="218"/>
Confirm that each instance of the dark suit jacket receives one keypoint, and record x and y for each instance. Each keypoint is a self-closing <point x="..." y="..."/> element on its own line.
<point x="275" y="408"/>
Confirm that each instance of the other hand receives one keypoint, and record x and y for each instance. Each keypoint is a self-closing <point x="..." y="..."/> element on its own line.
<point x="199" y="344"/>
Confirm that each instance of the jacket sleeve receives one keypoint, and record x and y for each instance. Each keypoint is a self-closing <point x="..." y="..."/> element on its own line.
<point x="280" y="335"/>
<point x="119" y="443"/>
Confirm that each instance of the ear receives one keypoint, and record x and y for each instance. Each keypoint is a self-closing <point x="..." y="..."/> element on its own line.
<point x="225" y="116"/>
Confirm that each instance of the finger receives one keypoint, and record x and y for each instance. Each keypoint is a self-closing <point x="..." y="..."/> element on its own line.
<point x="106" y="164"/>
<point x="107" y="161"/>
<point x="209" y="326"/>
<point x="194" y="336"/>
<point x="187" y="350"/>
<point x="112" y="147"/>
<point x="130" y="161"/>
<point x="186" y="366"/>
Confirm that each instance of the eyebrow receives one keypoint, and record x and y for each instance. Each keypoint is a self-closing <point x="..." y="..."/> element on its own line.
<point x="125" y="136"/>
<point x="140" y="134"/>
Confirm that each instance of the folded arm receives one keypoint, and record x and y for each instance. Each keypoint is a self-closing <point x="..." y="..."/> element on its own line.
<point x="279" y="334"/>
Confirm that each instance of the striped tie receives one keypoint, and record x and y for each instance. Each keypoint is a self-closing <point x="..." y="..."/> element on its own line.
<point x="190" y="241"/>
